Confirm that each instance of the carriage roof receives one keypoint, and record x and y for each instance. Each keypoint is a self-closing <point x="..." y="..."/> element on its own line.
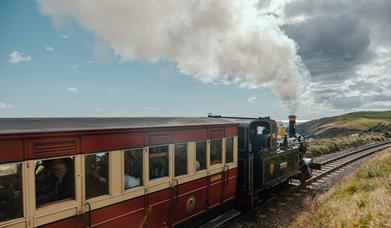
<point x="26" y="125"/>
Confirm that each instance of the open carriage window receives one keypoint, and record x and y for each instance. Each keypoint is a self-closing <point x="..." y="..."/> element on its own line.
<point x="133" y="160"/>
<point x="180" y="159"/>
<point x="96" y="172"/>
<point x="11" y="195"/>
<point x="54" y="180"/>
<point x="229" y="150"/>
<point x="216" y="147"/>
<point x="201" y="155"/>
<point x="158" y="162"/>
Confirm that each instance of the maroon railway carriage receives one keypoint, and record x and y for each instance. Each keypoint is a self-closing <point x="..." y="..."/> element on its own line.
<point x="114" y="172"/>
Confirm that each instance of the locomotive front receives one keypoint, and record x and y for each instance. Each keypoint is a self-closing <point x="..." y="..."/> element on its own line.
<point x="267" y="159"/>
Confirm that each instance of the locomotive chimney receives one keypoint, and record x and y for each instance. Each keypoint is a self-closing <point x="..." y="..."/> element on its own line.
<point x="292" y="125"/>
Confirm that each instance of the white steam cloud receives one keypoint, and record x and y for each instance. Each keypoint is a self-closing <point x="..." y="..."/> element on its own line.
<point x="213" y="41"/>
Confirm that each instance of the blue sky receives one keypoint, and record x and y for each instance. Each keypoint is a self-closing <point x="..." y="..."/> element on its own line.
<point x="43" y="85"/>
<point x="77" y="68"/>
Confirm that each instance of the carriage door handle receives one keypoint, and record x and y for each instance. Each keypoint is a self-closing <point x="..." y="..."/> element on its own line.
<point x="226" y="169"/>
<point x="176" y="191"/>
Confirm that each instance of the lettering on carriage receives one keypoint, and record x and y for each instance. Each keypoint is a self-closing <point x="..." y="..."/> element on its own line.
<point x="215" y="178"/>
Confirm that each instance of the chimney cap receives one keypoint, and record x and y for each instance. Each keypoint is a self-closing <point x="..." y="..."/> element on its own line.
<point x="292" y="117"/>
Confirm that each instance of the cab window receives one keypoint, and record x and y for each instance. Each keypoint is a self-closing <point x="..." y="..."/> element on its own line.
<point x="54" y="180"/>
<point x="229" y="150"/>
<point x="96" y="175"/>
<point x="180" y="159"/>
<point x="11" y="197"/>
<point x="200" y="155"/>
<point x="216" y="146"/>
<point x="158" y="162"/>
<point x="133" y="163"/>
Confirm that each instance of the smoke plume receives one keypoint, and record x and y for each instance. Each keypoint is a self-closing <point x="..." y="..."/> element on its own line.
<point x="213" y="41"/>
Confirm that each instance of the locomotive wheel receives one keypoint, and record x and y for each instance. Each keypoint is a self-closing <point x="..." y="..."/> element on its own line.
<point x="305" y="174"/>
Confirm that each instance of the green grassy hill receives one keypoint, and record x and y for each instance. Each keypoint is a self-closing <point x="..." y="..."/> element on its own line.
<point x="346" y="124"/>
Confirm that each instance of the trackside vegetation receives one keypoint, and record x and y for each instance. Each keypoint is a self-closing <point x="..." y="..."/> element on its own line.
<point x="362" y="199"/>
<point x="319" y="147"/>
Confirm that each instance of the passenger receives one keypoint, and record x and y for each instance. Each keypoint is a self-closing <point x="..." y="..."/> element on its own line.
<point x="54" y="181"/>
<point x="158" y="168"/>
<point x="133" y="166"/>
<point x="198" y="165"/>
<point x="96" y="175"/>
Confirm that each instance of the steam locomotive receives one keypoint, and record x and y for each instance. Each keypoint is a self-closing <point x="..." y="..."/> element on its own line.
<point x="136" y="172"/>
<point x="267" y="156"/>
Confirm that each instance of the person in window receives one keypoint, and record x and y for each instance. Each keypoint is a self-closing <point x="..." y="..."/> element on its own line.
<point x="96" y="175"/>
<point x="132" y="169"/>
<point x="198" y="165"/>
<point x="54" y="181"/>
<point x="215" y="153"/>
<point x="158" y="168"/>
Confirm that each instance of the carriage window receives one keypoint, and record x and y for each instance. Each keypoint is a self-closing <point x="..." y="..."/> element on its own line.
<point x="54" y="180"/>
<point x="200" y="155"/>
<point x="97" y="173"/>
<point x="216" y="146"/>
<point x="11" y="198"/>
<point x="133" y="163"/>
<point x="229" y="150"/>
<point x="180" y="159"/>
<point x="158" y="162"/>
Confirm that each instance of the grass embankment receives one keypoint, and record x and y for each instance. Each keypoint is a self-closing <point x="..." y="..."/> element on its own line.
<point x="362" y="120"/>
<point x="362" y="199"/>
<point x="325" y="146"/>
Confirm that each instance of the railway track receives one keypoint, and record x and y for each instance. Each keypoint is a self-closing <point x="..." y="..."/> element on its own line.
<point x="329" y="167"/>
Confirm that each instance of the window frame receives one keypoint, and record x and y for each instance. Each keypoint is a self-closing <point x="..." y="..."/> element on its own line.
<point x="109" y="175"/>
<point x="233" y="164"/>
<point x="53" y="211"/>
<point x="188" y="173"/>
<point x="206" y="156"/>
<point x="233" y="150"/>
<point x="20" y="220"/>
<point x="161" y="182"/>
<point x="143" y="176"/>
<point x="218" y="167"/>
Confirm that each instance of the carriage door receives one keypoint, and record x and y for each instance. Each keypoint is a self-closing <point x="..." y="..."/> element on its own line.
<point x="189" y="188"/>
<point x="216" y="172"/>
<point x="230" y="145"/>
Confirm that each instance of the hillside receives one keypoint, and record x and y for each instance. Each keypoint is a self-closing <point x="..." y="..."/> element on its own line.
<point x="346" y="124"/>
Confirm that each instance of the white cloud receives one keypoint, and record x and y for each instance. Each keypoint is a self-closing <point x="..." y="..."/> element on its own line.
<point x="90" y="61"/>
<point x="72" y="67"/>
<point x="4" y="105"/>
<point x="100" y="109"/>
<point x="73" y="90"/>
<point x="252" y="99"/>
<point x="47" y="48"/>
<point x="212" y="41"/>
<point x="64" y="36"/>
<point x="17" y="57"/>
<point x="151" y="109"/>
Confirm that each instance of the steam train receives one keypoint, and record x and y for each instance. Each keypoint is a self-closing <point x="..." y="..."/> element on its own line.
<point x="140" y="172"/>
